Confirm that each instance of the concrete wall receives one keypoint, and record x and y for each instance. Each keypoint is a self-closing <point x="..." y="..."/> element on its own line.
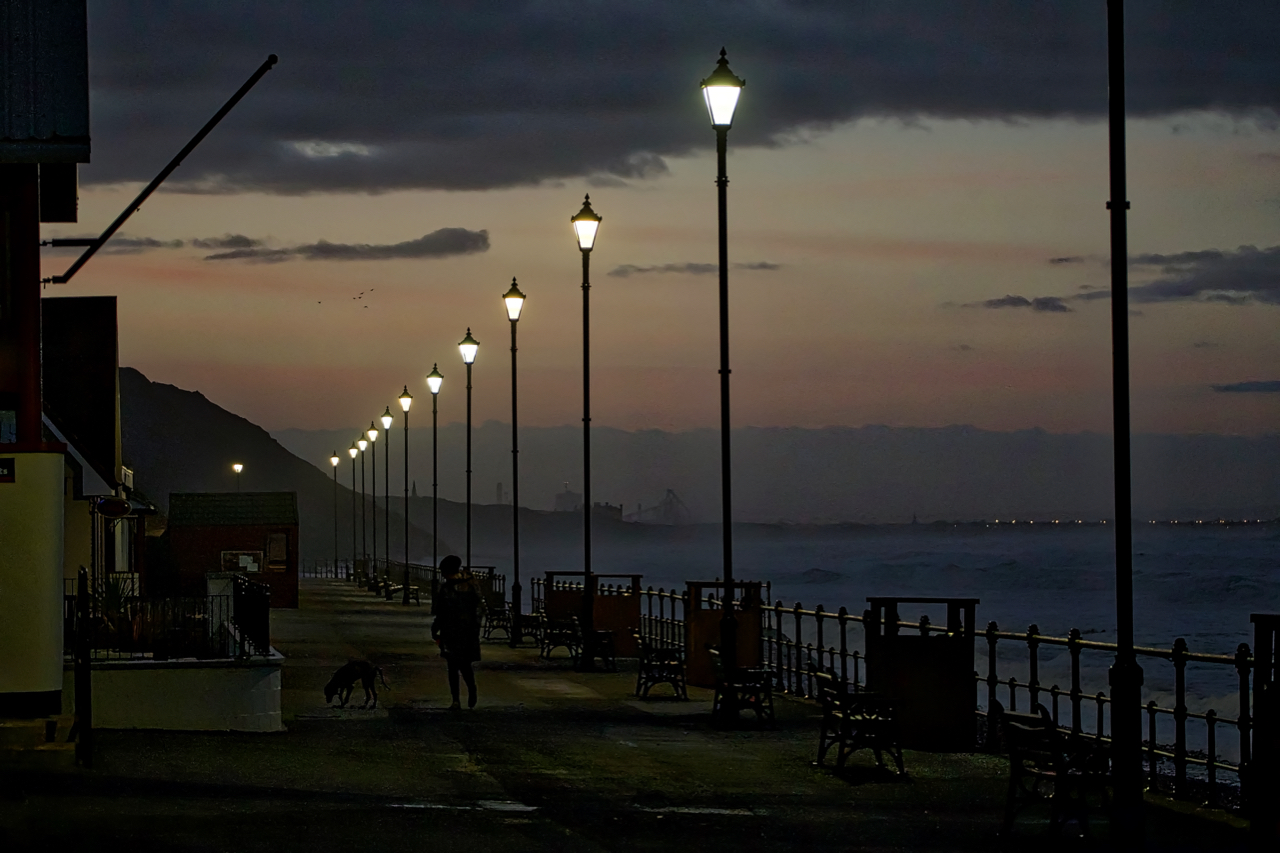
<point x="238" y="696"/>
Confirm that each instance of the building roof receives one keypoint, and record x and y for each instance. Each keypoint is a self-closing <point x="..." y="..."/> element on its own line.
<point x="232" y="509"/>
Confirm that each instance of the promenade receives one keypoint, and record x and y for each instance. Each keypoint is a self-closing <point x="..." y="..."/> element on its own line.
<point x="549" y="760"/>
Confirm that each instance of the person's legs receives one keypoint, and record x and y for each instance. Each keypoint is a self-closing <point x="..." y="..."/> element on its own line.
<point x="453" y="681"/>
<point x="469" y="676"/>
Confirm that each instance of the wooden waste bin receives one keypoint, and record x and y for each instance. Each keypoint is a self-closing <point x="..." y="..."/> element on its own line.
<point x="616" y="606"/>
<point x="702" y="628"/>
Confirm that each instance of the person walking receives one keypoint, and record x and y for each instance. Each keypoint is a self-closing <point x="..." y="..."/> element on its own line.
<point x="458" y="609"/>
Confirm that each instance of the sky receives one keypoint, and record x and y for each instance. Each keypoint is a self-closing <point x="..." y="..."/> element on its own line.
<point x="917" y="223"/>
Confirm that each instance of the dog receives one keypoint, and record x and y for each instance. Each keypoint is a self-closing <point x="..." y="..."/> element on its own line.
<point x="344" y="681"/>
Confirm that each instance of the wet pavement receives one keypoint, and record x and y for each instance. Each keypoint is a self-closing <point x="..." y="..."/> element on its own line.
<point x="550" y="759"/>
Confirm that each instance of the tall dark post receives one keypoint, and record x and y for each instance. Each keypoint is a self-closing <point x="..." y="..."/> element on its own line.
<point x="354" y="451"/>
<point x="728" y="619"/>
<point x="405" y="400"/>
<point x="335" y="459"/>
<point x="364" y="527"/>
<point x="1126" y="674"/>
<point x="435" y="467"/>
<point x="514" y="300"/>
<point x="468" y="346"/>
<point x="373" y="476"/>
<point x="386" y="490"/>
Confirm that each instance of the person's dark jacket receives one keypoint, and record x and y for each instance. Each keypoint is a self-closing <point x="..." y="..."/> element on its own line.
<point x="458" y="609"/>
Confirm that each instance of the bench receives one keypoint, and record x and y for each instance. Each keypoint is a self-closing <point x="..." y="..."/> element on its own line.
<point x="553" y="633"/>
<point x="659" y="664"/>
<point x="1047" y="765"/>
<point x="391" y="590"/>
<point x="853" y="720"/>
<point x="497" y="616"/>
<point x="742" y="689"/>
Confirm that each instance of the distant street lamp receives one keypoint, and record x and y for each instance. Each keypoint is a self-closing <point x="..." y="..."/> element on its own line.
<point x="721" y="90"/>
<point x="237" y="467"/>
<point x="372" y="432"/>
<point x="514" y="300"/>
<point x="334" y="460"/>
<point x="386" y="487"/>
<point x="468" y="346"/>
<point x="354" y="451"/>
<point x="434" y="380"/>
<point x="363" y="444"/>
<point x="406" y="400"/>
<point x="585" y="225"/>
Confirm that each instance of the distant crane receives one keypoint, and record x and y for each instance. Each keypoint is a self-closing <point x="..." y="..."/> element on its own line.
<point x="670" y="510"/>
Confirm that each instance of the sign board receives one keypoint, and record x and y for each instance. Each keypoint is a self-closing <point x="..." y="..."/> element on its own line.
<point x="8" y="473"/>
<point x="241" y="561"/>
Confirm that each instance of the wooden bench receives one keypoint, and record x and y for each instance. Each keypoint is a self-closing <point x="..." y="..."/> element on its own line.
<point x="391" y="590"/>
<point x="553" y="633"/>
<point x="497" y="616"/>
<point x="853" y="720"/>
<point x="659" y="664"/>
<point x="1047" y="765"/>
<point x="742" y="689"/>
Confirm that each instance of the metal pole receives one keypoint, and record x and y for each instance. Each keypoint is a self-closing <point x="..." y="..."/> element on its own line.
<point x="386" y="499"/>
<point x="587" y="657"/>
<point x="1126" y="674"/>
<point x="364" y="527"/>
<point x="373" y="476"/>
<point x="515" y="504"/>
<point x="728" y="619"/>
<point x="335" y="518"/>
<point x="405" y="599"/>
<point x="435" y="484"/>
<point x="468" y="467"/>
<point x="353" y="514"/>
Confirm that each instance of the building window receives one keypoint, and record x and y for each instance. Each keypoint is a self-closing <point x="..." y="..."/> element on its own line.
<point x="277" y="551"/>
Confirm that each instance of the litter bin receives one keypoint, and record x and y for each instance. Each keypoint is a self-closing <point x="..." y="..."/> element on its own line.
<point x="1260" y="787"/>
<point x="928" y="675"/>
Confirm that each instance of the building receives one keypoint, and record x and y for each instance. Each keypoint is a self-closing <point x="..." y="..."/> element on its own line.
<point x="251" y="532"/>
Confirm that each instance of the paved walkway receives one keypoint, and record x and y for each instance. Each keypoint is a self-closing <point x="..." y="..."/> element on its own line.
<point x="549" y="760"/>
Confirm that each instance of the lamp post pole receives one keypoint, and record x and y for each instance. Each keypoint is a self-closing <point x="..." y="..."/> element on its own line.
<point x="363" y="444"/>
<point x="514" y="300"/>
<point x="372" y="432"/>
<point x="386" y="488"/>
<point x="237" y="468"/>
<point x="334" y="459"/>
<point x="586" y="224"/>
<point x="1125" y="674"/>
<point x="468" y="347"/>
<point x="434" y="380"/>
<point x="354" y="451"/>
<point x="721" y="90"/>
<point x="406" y="399"/>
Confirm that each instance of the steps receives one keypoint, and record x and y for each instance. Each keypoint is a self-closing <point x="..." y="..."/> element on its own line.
<point x="37" y="744"/>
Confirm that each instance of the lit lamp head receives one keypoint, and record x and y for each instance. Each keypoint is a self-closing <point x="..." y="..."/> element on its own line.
<point x="335" y="459"/>
<point x="386" y="416"/>
<point x="372" y="432"/>
<point x="237" y="467"/>
<point x="721" y="89"/>
<point x="515" y="301"/>
<point x="363" y="444"/>
<point x="468" y="346"/>
<point x="435" y="379"/>
<point x="406" y="399"/>
<point x="353" y="450"/>
<point x="585" y="225"/>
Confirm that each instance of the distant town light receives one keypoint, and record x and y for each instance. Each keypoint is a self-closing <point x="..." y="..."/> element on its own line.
<point x="515" y="301"/>
<point x="721" y="90"/>
<point x="468" y="346"/>
<point x="406" y="399"/>
<point x="435" y="379"/>
<point x="386" y="417"/>
<point x="585" y="225"/>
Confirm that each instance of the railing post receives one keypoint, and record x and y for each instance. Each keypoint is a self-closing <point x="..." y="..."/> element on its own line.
<point x="83" y="673"/>
<point x="1033" y="664"/>
<point x="1244" y="723"/>
<point x="1153" y="761"/>
<point x="1013" y="694"/>
<point x="1211" y="760"/>
<point x="1101" y="699"/>
<point x="992" y="678"/>
<point x="842" y="619"/>
<point x="779" y="651"/>
<point x="1073" y="646"/>
<point x="1179" y="658"/>
<point x="797" y="645"/>
<point x="1054" y="693"/>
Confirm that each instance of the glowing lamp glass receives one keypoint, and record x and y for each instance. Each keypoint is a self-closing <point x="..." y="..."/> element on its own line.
<point x="386" y="418"/>
<point x="406" y="399"/>
<point x="515" y="301"/>
<point x="468" y="346"/>
<point x="372" y="432"/>
<point x="335" y="459"/>
<point x="435" y="379"/>
<point x="363" y="445"/>
<point x="353" y="450"/>
<point x="721" y="103"/>
<point x="237" y="467"/>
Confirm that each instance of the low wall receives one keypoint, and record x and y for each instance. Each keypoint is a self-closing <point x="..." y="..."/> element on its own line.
<point x="184" y="695"/>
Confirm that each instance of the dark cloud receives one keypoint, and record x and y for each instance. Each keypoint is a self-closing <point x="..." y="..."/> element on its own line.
<point x="1246" y="275"/>
<point x="375" y="97"/>
<point x="226" y="241"/>
<point x="1267" y="387"/>
<point x="625" y="270"/>
<point x="1070" y="259"/>
<point x="438" y="244"/>
<point x="1205" y="345"/>
<point x="1049" y="304"/>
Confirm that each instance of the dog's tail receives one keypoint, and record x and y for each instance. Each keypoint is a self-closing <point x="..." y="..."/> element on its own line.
<point x="381" y="677"/>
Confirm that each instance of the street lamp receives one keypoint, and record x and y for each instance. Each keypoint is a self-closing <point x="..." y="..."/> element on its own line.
<point x="585" y="225"/>
<point x="434" y="380"/>
<point x="514" y="300"/>
<point x="372" y="432"/>
<point x="468" y="346"/>
<point x="406" y="400"/>
<point x="721" y="90"/>
<point x="334" y="460"/>
<point x="354" y="451"/>
<point x="363" y="444"/>
<point x="386" y="487"/>
<point x="237" y="467"/>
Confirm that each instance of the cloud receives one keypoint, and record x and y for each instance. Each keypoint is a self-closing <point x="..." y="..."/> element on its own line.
<point x="392" y="96"/>
<point x="1267" y="387"/>
<point x="1246" y="275"/>
<point x="442" y="243"/>
<point x="626" y="270"/>
<point x="1069" y="259"/>
<point x="1048" y="304"/>
<point x="226" y="241"/>
<point x="1205" y="345"/>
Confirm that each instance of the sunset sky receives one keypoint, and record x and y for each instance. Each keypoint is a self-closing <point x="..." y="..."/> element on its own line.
<point x="916" y="209"/>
